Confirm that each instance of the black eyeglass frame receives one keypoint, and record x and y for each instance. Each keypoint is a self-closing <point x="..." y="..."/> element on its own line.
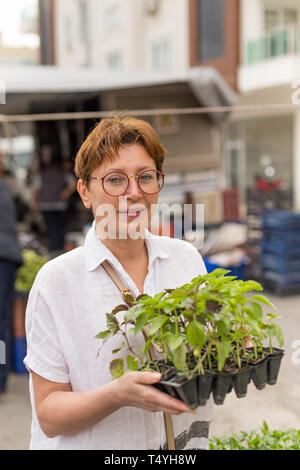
<point x="101" y="178"/>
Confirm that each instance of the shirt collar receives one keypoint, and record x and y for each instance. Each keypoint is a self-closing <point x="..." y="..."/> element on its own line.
<point x="95" y="252"/>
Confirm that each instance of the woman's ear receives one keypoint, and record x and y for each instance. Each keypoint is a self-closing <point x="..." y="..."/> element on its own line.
<point x="84" y="194"/>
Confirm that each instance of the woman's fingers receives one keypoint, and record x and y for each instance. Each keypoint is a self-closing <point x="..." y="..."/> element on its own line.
<point x="171" y="404"/>
<point x="137" y="391"/>
<point x="146" y="378"/>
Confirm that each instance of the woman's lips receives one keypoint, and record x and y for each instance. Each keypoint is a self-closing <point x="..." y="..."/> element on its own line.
<point x="132" y="214"/>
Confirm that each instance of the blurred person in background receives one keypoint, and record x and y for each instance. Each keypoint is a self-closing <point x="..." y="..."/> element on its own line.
<point x="10" y="260"/>
<point x="1" y="165"/>
<point x="52" y="188"/>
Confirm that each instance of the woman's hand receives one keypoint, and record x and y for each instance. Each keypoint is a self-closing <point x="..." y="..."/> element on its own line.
<point x="135" y="390"/>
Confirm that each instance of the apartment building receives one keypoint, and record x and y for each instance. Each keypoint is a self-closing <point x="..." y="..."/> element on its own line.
<point x="122" y="35"/>
<point x="214" y="36"/>
<point x="267" y="142"/>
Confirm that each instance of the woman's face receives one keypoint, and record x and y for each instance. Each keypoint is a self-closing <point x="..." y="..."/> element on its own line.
<point x="127" y="214"/>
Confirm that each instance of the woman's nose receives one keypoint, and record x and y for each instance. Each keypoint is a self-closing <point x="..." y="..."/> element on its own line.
<point x="133" y="189"/>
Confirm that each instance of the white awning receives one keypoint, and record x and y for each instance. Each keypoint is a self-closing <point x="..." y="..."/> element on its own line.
<point x="205" y="82"/>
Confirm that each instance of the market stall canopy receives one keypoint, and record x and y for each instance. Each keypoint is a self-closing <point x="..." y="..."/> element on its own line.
<point x="206" y="84"/>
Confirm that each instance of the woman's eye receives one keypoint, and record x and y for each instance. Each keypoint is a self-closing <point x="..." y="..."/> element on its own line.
<point x="146" y="177"/>
<point x="115" y="180"/>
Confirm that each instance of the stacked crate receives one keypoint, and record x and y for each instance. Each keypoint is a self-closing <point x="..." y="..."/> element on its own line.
<point x="231" y="205"/>
<point x="280" y="252"/>
<point x="259" y="201"/>
<point x="213" y="206"/>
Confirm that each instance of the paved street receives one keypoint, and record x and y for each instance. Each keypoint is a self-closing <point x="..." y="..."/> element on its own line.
<point x="278" y="405"/>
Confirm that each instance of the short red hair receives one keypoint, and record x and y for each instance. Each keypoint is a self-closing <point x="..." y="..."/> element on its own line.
<point x="108" y="136"/>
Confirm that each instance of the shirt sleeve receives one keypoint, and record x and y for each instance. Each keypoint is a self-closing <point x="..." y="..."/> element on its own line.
<point x="44" y="351"/>
<point x="197" y="261"/>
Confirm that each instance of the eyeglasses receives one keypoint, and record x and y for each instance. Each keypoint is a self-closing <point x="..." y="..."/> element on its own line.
<point x="115" y="183"/>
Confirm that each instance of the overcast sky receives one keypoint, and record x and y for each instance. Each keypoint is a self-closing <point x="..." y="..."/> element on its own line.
<point x="10" y="11"/>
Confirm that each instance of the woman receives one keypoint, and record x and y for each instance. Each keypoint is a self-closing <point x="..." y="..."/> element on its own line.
<point x="76" y="404"/>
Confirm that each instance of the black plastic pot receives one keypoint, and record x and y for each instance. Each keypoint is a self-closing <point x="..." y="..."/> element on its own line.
<point x="240" y="381"/>
<point x="259" y="369"/>
<point x="221" y="386"/>
<point x="259" y="372"/>
<point x="182" y="388"/>
<point x="274" y="361"/>
<point x="204" y="387"/>
<point x="162" y="385"/>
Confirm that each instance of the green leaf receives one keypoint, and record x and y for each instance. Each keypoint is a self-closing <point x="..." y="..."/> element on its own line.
<point x="116" y="368"/>
<point x="175" y="341"/>
<point x="147" y="345"/>
<point x="104" y="334"/>
<point x="179" y="358"/>
<point x="257" y="308"/>
<point x="219" y="272"/>
<point x="271" y="330"/>
<point x="223" y="350"/>
<point x="140" y="322"/>
<point x="251" y="285"/>
<point x="112" y="323"/>
<point x="195" y="334"/>
<point x="132" y="363"/>
<point x="134" y="312"/>
<point x="159" y="296"/>
<point x="116" y="350"/>
<point x="223" y="326"/>
<point x="263" y="299"/>
<point x="158" y="323"/>
<point x="265" y="427"/>
<point x="279" y="336"/>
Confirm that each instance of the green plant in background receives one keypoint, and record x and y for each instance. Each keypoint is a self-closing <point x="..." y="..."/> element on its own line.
<point x="202" y="325"/>
<point x="26" y="274"/>
<point x="258" y="439"/>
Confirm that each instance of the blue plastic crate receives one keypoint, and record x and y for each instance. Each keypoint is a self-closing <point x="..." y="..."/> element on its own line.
<point x="280" y="263"/>
<point x="19" y="353"/>
<point x="280" y="219"/>
<point x="282" y="280"/>
<point x="280" y="248"/>
<point x="282" y="236"/>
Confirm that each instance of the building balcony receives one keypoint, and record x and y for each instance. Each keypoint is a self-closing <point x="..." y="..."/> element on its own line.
<point x="277" y="42"/>
<point x="271" y="60"/>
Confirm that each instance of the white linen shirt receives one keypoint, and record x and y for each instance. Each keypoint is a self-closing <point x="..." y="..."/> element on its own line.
<point x="66" y="309"/>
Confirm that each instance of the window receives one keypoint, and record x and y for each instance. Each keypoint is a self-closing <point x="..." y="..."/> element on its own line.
<point x="271" y="20"/>
<point x="82" y="10"/>
<point x="112" y="15"/>
<point x="211" y="20"/>
<point x="274" y="17"/>
<point x="161" y="54"/>
<point x="68" y="33"/>
<point x="280" y="26"/>
<point x="115" y="61"/>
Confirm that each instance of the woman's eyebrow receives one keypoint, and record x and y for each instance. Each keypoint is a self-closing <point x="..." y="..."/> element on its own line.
<point x="124" y="169"/>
